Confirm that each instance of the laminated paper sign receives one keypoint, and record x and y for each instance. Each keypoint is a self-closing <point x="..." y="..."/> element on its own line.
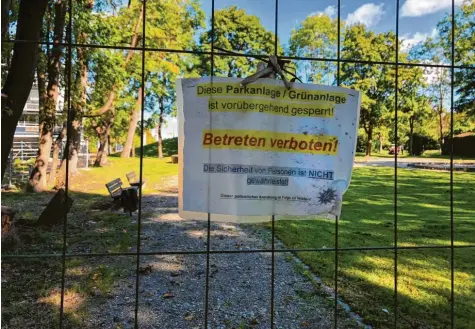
<point x="264" y="150"/>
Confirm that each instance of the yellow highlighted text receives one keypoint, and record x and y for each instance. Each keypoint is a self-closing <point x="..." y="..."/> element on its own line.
<point x="270" y="141"/>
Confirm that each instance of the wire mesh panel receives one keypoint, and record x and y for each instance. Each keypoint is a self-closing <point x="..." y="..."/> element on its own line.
<point x="388" y="240"/>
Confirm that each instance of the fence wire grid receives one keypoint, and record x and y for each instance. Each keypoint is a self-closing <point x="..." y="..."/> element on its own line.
<point x="395" y="248"/>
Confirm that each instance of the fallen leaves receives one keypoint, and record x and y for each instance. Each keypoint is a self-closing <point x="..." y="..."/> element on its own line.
<point x="168" y="295"/>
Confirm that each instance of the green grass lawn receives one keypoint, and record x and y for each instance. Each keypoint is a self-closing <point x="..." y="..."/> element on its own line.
<point x="90" y="221"/>
<point x="155" y="173"/>
<point x="170" y="147"/>
<point x="366" y="278"/>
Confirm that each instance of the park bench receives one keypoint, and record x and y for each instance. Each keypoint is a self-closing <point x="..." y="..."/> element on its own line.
<point x="123" y="197"/>
<point x="115" y="189"/>
<point x="133" y="181"/>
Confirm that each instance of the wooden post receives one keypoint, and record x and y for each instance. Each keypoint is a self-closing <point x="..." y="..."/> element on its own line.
<point x="56" y="209"/>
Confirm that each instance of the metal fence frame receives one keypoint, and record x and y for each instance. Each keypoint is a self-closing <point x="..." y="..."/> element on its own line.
<point x="336" y="249"/>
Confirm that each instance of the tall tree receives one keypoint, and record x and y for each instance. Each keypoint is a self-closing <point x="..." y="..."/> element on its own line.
<point x="438" y="79"/>
<point x="464" y="52"/>
<point x="376" y="82"/>
<point x="134" y="119"/>
<point x="48" y="106"/>
<point x="414" y="105"/>
<point x="79" y="73"/>
<point x="439" y="89"/>
<point x="315" y="37"/>
<point x="104" y="130"/>
<point x="175" y="29"/>
<point x="20" y="76"/>
<point x="164" y="96"/>
<point x="438" y="50"/>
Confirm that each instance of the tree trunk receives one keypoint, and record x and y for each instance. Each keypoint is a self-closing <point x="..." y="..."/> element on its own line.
<point x="103" y="131"/>
<point x="369" y="142"/>
<point x="132" y="153"/>
<point x="159" y="127"/>
<point x="38" y="178"/>
<point x="81" y="78"/>
<point x="38" y="181"/>
<point x="381" y="139"/>
<point x="441" y="133"/>
<point x="101" y="156"/>
<point x="57" y="147"/>
<point x="70" y="153"/>
<point x="21" y="72"/>
<point x="160" y="140"/>
<point x="411" y="136"/>
<point x="441" y="111"/>
<point x="75" y="144"/>
<point x="135" y="115"/>
<point x="79" y="106"/>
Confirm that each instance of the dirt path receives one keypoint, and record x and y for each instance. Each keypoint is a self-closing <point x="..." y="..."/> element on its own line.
<point x="100" y="291"/>
<point x="172" y="287"/>
<point x="406" y="162"/>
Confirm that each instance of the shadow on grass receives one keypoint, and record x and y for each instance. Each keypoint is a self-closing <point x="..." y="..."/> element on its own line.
<point x="368" y="220"/>
<point x="92" y="225"/>
<point x="31" y="287"/>
<point x="366" y="278"/>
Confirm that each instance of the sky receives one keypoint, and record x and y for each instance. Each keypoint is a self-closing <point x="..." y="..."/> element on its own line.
<point x="417" y="18"/>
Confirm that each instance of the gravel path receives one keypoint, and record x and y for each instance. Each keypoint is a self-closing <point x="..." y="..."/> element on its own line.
<point x="414" y="163"/>
<point x="172" y="287"/>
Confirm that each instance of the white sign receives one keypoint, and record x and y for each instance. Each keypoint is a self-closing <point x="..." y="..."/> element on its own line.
<point x="262" y="149"/>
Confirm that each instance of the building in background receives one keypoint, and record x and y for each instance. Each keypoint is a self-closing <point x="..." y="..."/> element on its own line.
<point x="27" y="133"/>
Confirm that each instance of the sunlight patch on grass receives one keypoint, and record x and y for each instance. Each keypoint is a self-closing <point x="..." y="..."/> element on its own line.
<point x="367" y="281"/>
<point x="155" y="173"/>
<point x="72" y="300"/>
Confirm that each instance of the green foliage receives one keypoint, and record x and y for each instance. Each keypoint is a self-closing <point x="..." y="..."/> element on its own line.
<point x="414" y="106"/>
<point x="169" y="24"/>
<point x="315" y="37"/>
<point x="376" y="82"/>
<point x="439" y="50"/>
<point x="464" y="53"/>
<point x="235" y="30"/>
<point x="463" y="122"/>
